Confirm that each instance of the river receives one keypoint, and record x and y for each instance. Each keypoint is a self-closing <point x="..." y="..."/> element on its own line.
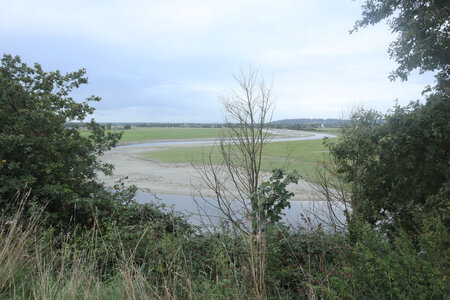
<point x="311" y="136"/>
<point x="147" y="175"/>
<point x="308" y="214"/>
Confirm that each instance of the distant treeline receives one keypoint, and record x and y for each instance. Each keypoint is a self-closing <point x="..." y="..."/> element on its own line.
<point x="297" y="124"/>
<point x="311" y="122"/>
<point x="139" y="124"/>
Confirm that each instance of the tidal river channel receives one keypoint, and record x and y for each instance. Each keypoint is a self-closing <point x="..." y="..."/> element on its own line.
<point x="308" y="214"/>
<point x="311" y="136"/>
<point x="171" y="184"/>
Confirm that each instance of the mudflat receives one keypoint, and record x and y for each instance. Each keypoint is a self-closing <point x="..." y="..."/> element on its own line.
<point x="178" y="178"/>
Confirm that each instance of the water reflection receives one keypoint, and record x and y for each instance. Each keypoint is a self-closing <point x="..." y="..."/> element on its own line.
<point x="200" y="212"/>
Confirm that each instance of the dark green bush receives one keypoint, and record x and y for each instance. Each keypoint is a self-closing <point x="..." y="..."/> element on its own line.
<point x="376" y="268"/>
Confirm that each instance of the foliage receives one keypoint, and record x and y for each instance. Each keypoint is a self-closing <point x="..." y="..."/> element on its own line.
<point x="37" y="152"/>
<point x="147" y="253"/>
<point x="378" y="269"/>
<point x="423" y="33"/>
<point x="127" y="127"/>
<point x="271" y="198"/>
<point x="395" y="163"/>
<point x="301" y="262"/>
<point x="97" y="264"/>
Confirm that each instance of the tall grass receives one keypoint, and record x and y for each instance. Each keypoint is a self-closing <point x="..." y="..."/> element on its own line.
<point x="142" y="261"/>
<point x="36" y="264"/>
<point x="107" y="263"/>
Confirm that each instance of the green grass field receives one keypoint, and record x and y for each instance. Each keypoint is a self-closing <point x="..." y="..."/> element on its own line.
<point x="155" y="133"/>
<point x="297" y="155"/>
<point x="329" y="130"/>
<point x="158" y="133"/>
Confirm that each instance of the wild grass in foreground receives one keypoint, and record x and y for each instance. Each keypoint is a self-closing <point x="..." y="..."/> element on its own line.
<point x="163" y="260"/>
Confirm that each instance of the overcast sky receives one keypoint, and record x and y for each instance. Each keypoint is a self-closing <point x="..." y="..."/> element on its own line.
<point x="168" y="61"/>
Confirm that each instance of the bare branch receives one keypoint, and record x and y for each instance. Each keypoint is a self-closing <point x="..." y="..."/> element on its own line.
<point x="248" y="113"/>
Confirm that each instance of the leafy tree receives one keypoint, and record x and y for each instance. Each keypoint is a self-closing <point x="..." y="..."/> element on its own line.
<point x="396" y="163"/>
<point x="423" y="30"/>
<point x="38" y="152"/>
<point x="127" y="127"/>
<point x="108" y="126"/>
<point x="271" y="198"/>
